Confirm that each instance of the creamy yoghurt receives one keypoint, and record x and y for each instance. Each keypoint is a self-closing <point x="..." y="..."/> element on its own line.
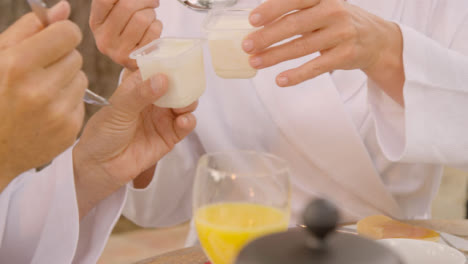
<point x="225" y="32"/>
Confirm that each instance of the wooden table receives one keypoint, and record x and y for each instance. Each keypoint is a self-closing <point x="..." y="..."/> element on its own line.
<point x="191" y="255"/>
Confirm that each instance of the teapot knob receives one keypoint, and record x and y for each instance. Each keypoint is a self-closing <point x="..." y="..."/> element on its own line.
<point x="321" y="218"/>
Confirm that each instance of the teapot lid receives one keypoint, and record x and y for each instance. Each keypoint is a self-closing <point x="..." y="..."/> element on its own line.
<point x="318" y="243"/>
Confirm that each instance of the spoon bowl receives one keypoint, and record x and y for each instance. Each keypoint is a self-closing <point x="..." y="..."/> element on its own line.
<point x="205" y="5"/>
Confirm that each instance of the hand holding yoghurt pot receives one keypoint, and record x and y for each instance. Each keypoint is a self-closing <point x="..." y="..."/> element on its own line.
<point x="346" y="36"/>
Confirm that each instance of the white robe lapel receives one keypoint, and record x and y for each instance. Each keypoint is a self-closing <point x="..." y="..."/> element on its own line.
<point x="313" y="118"/>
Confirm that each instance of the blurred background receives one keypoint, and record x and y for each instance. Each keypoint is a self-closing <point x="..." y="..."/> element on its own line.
<point x="130" y="243"/>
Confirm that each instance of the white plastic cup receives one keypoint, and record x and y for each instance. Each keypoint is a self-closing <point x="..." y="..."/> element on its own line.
<point x="225" y="30"/>
<point x="181" y="59"/>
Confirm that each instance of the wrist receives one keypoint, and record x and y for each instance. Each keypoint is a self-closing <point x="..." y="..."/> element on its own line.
<point x="388" y="70"/>
<point x="92" y="183"/>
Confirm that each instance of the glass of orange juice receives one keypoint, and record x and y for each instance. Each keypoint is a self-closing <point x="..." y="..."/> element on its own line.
<point x="239" y="196"/>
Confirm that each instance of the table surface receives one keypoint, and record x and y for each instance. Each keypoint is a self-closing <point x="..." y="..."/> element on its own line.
<point x="191" y="255"/>
<point x="195" y="255"/>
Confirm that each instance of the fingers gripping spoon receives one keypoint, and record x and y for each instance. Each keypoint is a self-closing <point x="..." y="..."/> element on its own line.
<point x="40" y="9"/>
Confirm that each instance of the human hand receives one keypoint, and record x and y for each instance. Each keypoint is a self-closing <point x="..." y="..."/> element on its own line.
<point x="123" y="140"/>
<point x="41" y="91"/>
<point x="346" y="36"/>
<point x="121" y="26"/>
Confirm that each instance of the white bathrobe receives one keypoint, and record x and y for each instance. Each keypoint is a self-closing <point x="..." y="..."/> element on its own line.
<point x="433" y="126"/>
<point x="333" y="130"/>
<point x="39" y="220"/>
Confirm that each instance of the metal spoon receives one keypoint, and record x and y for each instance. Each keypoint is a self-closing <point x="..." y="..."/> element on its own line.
<point x="40" y="9"/>
<point x="205" y="5"/>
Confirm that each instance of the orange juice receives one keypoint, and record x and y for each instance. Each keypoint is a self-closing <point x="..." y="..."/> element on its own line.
<point x="224" y="228"/>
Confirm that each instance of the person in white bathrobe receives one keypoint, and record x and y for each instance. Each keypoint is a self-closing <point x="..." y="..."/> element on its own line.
<point x="430" y="84"/>
<point x="337" y="122"/>
<point x="65" y="212"/>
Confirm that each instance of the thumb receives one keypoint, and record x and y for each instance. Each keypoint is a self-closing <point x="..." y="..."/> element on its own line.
<point x="29" y="24"/>
<point x="59" y="12"/>
<point x="134" y="94"/>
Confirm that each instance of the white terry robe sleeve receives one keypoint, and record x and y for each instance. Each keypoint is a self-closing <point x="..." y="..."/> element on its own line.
<point x="39" y="221"/>
<point x="433" y="126"/>
<point x="166" y="201"/>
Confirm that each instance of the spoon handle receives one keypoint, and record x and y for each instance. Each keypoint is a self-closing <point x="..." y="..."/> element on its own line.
<point x="40" y="9"/>
<point x="92" y="98"/>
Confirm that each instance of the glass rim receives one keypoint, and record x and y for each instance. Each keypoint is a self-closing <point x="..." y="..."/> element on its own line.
<point x="282" y="168"/>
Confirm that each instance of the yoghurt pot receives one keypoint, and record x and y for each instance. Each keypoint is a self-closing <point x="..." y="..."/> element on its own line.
<point x="225" y="29"/>
<point x="181" y="59"/>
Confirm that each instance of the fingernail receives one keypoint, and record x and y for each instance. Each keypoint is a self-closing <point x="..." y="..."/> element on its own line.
<point x="156" y="82"/>
<point x="283" y="81"/>
<point x="57" y="6"/>
<point x="248" y="45"/>
<point x="256" y="62"/>
<point x="255" y="19"/>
